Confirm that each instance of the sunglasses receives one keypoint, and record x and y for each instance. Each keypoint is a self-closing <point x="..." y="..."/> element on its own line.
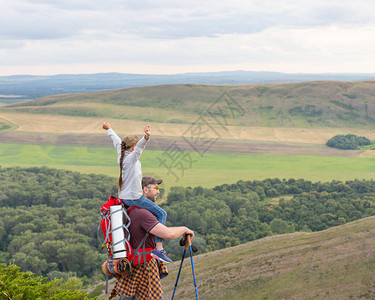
<point x="156" y="188"/>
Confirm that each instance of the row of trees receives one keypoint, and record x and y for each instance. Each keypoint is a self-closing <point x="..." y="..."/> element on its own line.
<point x="49" y="218"/>
<point x="232" y="214"/>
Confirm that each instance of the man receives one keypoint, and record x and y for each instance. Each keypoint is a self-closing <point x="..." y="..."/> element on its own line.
<point x="144" y="282"/>
<point x="150" y="187"/>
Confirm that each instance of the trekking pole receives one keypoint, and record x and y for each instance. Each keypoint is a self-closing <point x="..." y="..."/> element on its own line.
<point x="178" y="275"/>
<point x="188" y="243"/>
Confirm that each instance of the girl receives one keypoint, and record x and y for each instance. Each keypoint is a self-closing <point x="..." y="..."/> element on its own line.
<point x="129" y="149"/>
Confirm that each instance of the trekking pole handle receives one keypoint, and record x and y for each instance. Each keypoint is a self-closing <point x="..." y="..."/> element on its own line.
<point x="188" y="241"/>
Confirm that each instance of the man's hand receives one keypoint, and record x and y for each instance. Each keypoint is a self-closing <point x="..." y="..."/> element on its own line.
<point x="106" y="125"/>
<point x="190" y="232"/>
<point x="147" y="132"/>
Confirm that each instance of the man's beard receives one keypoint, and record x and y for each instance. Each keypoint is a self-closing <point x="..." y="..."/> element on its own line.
<point x="152" y="198"/>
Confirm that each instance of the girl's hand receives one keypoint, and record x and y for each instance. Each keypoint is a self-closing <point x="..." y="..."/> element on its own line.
<point x="106" y="125"/>
<point x="147" y="132"/>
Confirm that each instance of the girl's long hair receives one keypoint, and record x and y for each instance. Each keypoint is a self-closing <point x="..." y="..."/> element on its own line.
<point x="123" y="146"/>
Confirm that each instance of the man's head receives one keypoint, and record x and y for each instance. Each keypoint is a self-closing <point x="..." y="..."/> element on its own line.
<point x="150" y="187"/>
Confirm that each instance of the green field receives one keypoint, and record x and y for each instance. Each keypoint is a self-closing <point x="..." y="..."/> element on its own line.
<point x="306" y="113"/>
<point x="207" y="170"/>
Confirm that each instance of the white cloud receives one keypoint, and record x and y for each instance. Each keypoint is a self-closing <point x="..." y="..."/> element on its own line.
<point x="188" y="34"/>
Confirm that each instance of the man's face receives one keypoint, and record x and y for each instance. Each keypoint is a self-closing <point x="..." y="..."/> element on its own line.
<point x="151" y="191"/>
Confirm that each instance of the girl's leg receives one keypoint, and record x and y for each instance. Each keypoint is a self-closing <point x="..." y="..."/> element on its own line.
<point x="159" y="213"/>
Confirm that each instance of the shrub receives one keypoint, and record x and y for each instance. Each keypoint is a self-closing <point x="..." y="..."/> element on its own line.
<point x="348" y="142"/>
<point x="18" y="285"/>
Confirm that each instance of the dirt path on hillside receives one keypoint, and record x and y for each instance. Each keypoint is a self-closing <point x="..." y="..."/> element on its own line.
<point x="187" y="144"/>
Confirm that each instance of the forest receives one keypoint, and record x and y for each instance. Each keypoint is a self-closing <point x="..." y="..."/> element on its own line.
<point x="49" y="217"/>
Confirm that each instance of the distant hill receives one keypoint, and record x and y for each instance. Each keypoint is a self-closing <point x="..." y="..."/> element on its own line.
<point x="24" y="87"/>
<point x="303" y="104"/>
<point x="337" y="263"/>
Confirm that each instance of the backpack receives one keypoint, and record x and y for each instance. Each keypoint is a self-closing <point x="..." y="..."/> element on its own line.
<point x="122" y="257"/>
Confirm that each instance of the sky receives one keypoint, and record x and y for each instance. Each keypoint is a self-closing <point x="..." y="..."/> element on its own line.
<point x="44" y="37"/>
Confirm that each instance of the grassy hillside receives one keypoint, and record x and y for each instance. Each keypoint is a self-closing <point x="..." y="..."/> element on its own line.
<point x="337" y="263"/>
<point x="23" y="87"/>
<point x="307" y="104"/>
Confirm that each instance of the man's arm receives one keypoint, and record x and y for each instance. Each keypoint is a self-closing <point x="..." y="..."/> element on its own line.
<point x="170" y="233"/>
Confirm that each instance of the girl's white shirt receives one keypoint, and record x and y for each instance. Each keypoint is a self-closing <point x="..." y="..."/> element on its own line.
<point x="131" y="188"/>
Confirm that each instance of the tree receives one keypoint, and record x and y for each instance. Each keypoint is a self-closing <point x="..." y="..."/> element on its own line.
<point x="17" y="285"/>
<point x="279" y="226"/>
<point x="348" y="142"/>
